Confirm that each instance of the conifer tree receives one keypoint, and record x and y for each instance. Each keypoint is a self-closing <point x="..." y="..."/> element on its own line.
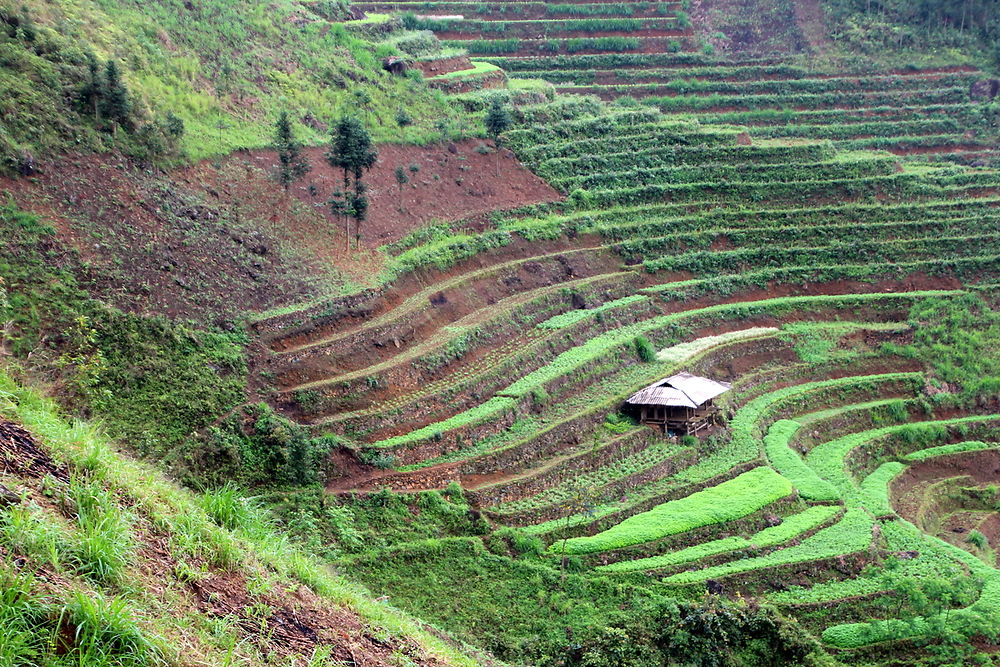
<point x="90" y="91"/>
<point x="498" y="121"/>
<point x="292" y="164"/>
<point x="352" y="151"/>
<point x="115" y="104"/>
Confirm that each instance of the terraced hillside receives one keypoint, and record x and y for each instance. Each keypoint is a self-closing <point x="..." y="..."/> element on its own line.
<point x="656" y="53"/>
<point x="715" y="189"/>
<point x="792" y="267"/>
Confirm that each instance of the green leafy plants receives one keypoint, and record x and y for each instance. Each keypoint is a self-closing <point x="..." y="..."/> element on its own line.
<point x="786" y="461"/>
<point x="728" y="500"/>
<point x="849" y="535"/>
<point x="788" y="529"/>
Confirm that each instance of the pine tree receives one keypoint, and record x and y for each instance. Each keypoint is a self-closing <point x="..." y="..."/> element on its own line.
<point x="352" y="151"/>
<point x="93" y="86"/>
<point x="292" y="164"/>
<point x="115" y="104"/>
<point x="498" y="121"/>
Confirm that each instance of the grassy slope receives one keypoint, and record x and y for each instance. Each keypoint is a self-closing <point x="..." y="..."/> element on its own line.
<point x="226" y="69"/>
<point x="144" y="573"/>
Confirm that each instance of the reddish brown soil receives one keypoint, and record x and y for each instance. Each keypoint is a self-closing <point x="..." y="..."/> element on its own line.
<point x="812" y="23"/>
<point x="982" y="467"/>
<point x="221" y="238"/>
<point x="455" y="181"/>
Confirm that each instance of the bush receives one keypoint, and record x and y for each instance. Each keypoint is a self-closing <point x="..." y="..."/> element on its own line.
<point x="978" y="540"/>
<point x="644" y="349"/>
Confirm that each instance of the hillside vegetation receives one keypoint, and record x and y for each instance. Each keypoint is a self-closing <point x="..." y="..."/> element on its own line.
<point x="394" y="389"/>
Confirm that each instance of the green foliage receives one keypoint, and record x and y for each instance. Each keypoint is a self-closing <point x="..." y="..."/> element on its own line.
<point x="944" y="450"/>
<point x="789" y="529"/>
<point x="828" y="459"/>
<point x="977" y="539"/>
<point x="849" y="535"/>
<point x="498" y="119"/>
<point x="777" y="448"/>
<point x="291" y="163"/>
<point x="644" y="349"/>
<point x="154" y="381"/>
<point x="726" y="501"/>
<point x="260" y="447"/>
<point x="958" y="339"/>
<point x="521" y="611"/>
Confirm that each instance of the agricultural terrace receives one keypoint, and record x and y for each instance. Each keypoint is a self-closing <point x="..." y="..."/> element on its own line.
<point x="791" y="267"/>
<point x="826" y="241"/>
<point x="655" y="54"/>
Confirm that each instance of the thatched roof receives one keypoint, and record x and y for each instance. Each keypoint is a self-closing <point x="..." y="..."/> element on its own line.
<point x="682" y="390"/>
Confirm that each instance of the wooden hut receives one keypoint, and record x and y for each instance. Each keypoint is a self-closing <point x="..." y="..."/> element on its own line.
<point x="683" y="403"/>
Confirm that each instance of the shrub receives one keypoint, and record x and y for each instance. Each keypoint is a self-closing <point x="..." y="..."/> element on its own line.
<point x="978" y="540"/>
<point x="644" y="349"/>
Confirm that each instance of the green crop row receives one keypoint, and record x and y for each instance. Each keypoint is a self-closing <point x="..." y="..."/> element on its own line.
<point x="534" y="27"/>
<point x="813" y="101"/>
<point x="783" y="87"/>
<point x="931" y="560"/>
<point x="875" y="488"/>
<point x="857" y="166"/>
<point x="736" y="73"/>
<point x="909" y="142"/>
<point x="799" y="235"/>
<point x="896" y="185"/>
<point x="623" y="223"/>
<point x="650" y="456"/>
<point x="789" y="529"/>
<point x="727" y="501"/>
<point x="975" y="267"/>
<point x="520" y="8"/>
<point x="945" y="450"/>
<point x="612" y="61"/>
<point x="573" y="316"/>
<point x="475" y="415"/>
<point x="706" y="262"/>
<point x="599" y="345"/>
<point x="829" y="458"/>
<point x="888" y="128"/>
<point x="965" y="112"/>
<point x="595" y="126"/>
<point x="984" y="611"/>
<point x="790" y="464"/>
<point x="572" y="45"/>
<point x="629" y="155"/>
<point x="851" y="534"/>
<point x="684" y="140"/>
